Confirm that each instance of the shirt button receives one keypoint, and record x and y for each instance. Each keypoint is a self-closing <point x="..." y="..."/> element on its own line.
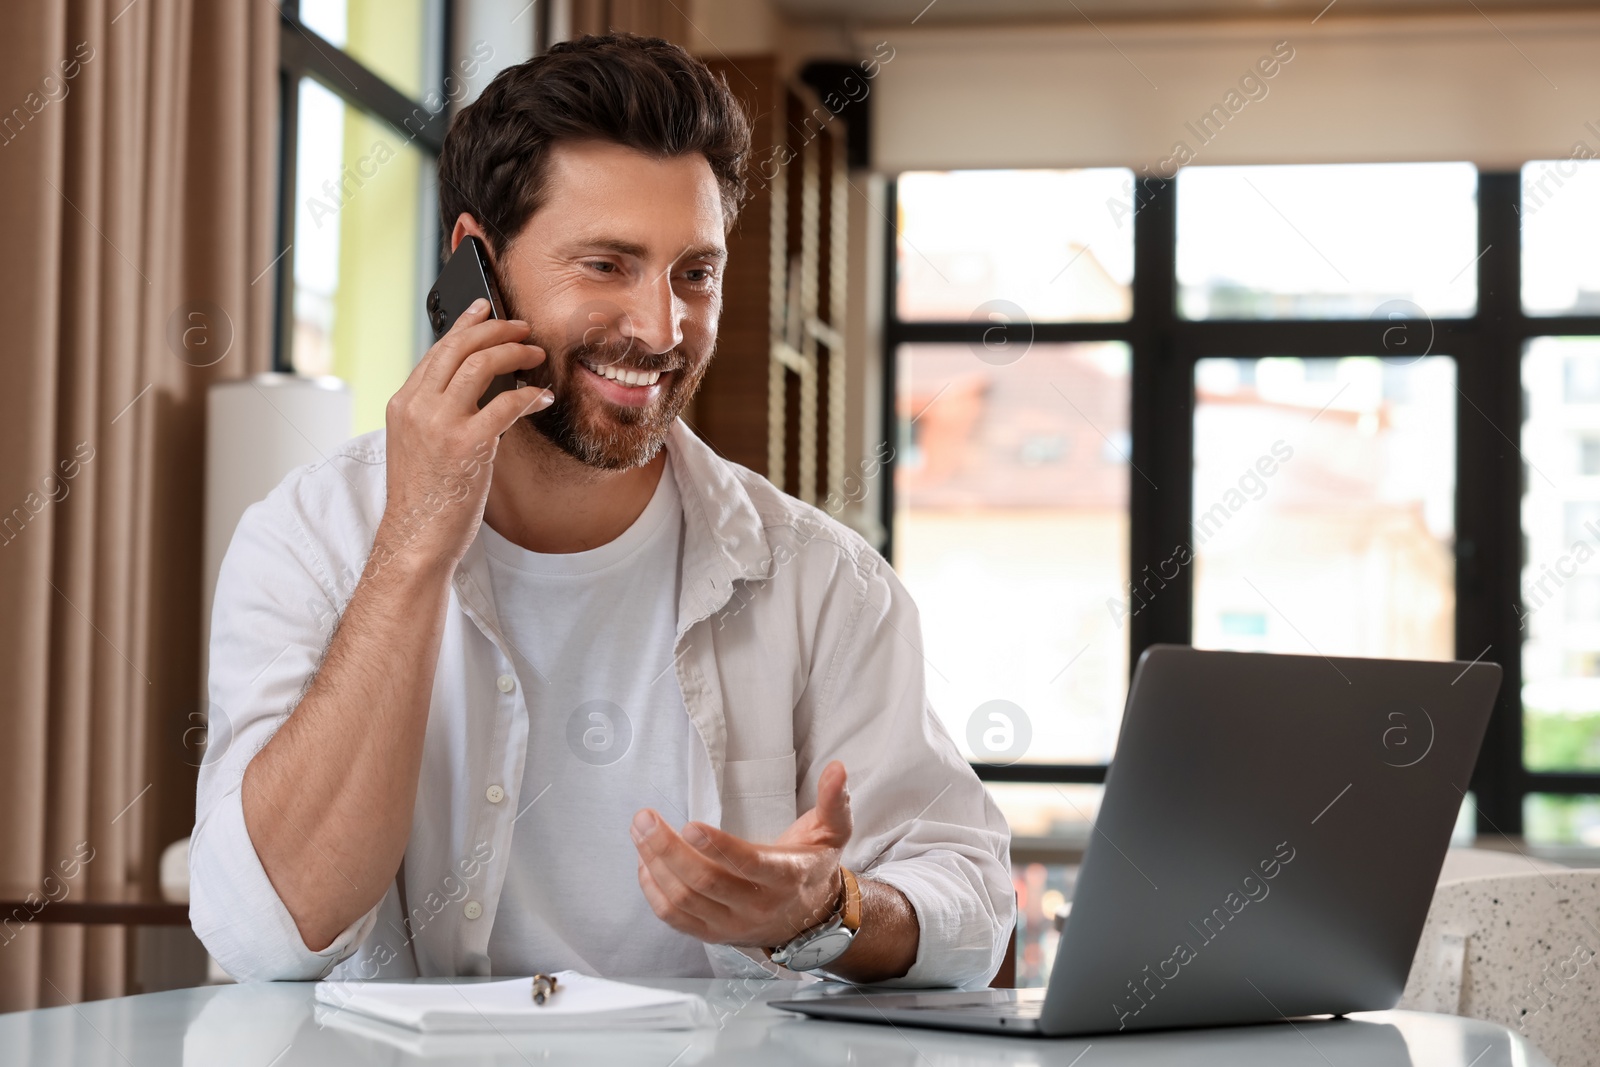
<point x="494" y="794"/>
<point x="472" y="910"/>
<point x="506" y="683"/>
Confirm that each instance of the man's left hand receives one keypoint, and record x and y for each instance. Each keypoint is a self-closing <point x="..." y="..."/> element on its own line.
<point x="724" y="890"/>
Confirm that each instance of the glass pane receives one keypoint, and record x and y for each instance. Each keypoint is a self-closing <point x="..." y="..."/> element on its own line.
<point x="1561" y="528"/>
<point x="328" y="19"/>
<point x="358" y="251"/>
<point x="392" y="38"/>
<point x="1560" y="231"/>
<point x="1552" y="819"/>
<point x="1043" y="891"/>
<point x="1352" y="241"/>
<point x="1044" y="818"/>
<point x="1011" y="533"/>
<point x="1041" y="245"/>
<point x="1324" y="500"/>
<point x="1048" y="813"/>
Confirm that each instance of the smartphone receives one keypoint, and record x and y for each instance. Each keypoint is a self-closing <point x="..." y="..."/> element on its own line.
<point x="468" y="276"/>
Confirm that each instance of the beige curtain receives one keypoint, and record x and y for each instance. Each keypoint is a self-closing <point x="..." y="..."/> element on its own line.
<point x="137" y="190"/>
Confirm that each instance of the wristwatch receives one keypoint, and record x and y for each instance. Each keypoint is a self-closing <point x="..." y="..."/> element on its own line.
<point x="819" y="946"/>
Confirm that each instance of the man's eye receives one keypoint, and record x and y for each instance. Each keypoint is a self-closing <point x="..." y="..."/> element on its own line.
<point x="602" y="265"/>
<point x="699" y="277"/>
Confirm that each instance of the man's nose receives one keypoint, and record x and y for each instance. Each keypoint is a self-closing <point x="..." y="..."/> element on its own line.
<point x="654" y="316"/>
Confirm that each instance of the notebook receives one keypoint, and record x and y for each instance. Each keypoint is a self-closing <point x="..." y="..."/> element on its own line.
<point x="580" y="1003"/>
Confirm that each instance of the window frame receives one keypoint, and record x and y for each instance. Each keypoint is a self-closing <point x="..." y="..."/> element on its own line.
<point x="1487" y="348"/>
<point x="303" y="53"/>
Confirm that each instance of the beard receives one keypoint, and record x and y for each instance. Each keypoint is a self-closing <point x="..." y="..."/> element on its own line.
<point x="593" y="430"/>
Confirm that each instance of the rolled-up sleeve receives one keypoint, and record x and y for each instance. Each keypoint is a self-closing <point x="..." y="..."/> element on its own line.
<point x="924" y="823"/>
<point x="276" y="604"/>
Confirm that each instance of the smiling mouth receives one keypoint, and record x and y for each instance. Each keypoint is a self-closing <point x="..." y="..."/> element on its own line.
<point x="624" y="376"/>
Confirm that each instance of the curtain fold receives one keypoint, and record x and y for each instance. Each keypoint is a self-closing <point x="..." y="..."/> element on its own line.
<point x="138" y="155"/>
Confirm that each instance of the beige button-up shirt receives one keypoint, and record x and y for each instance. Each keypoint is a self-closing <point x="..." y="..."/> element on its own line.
<point x="796" y="645"/>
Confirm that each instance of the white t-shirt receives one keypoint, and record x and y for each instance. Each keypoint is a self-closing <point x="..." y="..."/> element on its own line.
<point x="607" y="735"/>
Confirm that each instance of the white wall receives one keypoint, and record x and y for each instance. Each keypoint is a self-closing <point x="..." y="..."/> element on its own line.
<point x="487" y="37"/>
<point x="1434" y="88"/>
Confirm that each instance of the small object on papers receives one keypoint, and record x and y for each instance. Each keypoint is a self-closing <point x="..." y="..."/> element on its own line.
<point x="585" y="1003"/>
<point x="543" y="987"/>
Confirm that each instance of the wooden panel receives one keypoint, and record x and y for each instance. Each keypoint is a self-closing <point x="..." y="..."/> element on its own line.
<point x="832" y="299"/>
<point x="773" y="398"/>
<point x="652" y="18"/>
<point x="731" y="411"/>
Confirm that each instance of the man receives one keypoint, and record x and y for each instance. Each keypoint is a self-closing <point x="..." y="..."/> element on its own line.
<point x="592" y="695"/>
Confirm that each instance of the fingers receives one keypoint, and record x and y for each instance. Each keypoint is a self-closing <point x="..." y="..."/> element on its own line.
<point x="747" y="859"/>
<point x="427" y="369"/>
<point x="473" y="331"/>
<point x="480" y="368"/>
<point x="498" y="414"/>
<point x="833" y="804"/>
<point x="673" y="916"/>
<point x="455" y="349"/>
<point x="687" y="886"/>
<point x="679" y="866"/>
<point x="684" y="898"/>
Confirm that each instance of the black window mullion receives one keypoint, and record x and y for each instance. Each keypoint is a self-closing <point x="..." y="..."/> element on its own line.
<point x="283" y="275"/>
<point x="1312" y="338"/>
<point x="1160" y="475"/>
<point x="304" y="51"/>
<point x="973" y="333"/>
<point x="1489" y="498"/>
<point x="889" y="410"/>
<point x="1047" y="773"/>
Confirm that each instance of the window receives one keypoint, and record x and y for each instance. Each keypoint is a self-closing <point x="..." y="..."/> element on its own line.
<point x="1563" y="820"/>
<point x="1025" y="662"/>
<point x="1560" y="231"/>
<point x="1581" y="515"/>
<point x="1386" y="323"/>
<point x="364" y="114"/>
<point x="1327" y="242"/>
<point x="1581" y="379"/>
<point x="1324" y="506"/>
<point x="361" y="246"/>
<point x="1038" y="245"/>
<point x="1561" y="575"/>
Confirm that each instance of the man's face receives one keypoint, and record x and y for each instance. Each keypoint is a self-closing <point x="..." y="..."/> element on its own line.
<point x="619" y="274"/>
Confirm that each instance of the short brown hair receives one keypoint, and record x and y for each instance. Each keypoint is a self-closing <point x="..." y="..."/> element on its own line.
<point x="642" y="92"/>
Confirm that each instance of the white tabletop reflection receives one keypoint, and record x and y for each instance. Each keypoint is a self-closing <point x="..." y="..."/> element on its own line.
<point x="278" y="1024"/>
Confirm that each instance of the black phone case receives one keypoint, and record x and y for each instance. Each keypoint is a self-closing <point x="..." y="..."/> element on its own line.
<point x="468" y="276"/>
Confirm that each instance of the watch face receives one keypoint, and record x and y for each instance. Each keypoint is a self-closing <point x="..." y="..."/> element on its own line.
<point x="820" y="950"/>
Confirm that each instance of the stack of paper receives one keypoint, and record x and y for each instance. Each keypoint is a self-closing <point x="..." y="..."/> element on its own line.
<point x="580" y="1003"/>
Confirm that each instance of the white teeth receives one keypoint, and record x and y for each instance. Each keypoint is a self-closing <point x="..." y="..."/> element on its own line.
<point x="627" y="377"/>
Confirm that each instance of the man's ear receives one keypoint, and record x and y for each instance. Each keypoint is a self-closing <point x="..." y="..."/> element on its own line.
<point x="467" y="226"/>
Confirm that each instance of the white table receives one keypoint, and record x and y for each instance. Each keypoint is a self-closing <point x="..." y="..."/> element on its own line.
<point x="271" y="1025"/>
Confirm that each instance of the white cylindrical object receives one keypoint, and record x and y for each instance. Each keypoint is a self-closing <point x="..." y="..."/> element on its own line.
<point x="257" y="431"/>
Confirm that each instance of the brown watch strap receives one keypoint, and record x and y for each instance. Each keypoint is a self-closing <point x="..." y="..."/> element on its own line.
<point x="850" y="915"/>
<point x="849" y="910"/>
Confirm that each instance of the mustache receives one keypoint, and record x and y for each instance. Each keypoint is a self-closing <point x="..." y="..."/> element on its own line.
<point x="617" y="355"/>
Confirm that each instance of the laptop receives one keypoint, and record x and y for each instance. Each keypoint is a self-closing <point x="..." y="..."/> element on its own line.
<point x="1267" y="847"/>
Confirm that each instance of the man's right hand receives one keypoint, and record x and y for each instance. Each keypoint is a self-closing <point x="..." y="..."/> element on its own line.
<point x="441" y="446"/>
<point x="340" y="776"/>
